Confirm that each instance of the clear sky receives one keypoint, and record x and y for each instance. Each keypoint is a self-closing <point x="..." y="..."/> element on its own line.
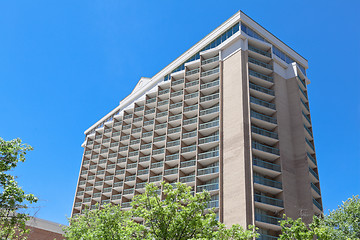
<point x="65" y="64"/>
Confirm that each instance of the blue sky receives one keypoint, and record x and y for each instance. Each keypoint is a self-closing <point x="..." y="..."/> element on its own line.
<point x="65" y="64"/>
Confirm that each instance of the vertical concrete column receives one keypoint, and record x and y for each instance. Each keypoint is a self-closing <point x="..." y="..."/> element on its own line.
<point x="236" y="175"/>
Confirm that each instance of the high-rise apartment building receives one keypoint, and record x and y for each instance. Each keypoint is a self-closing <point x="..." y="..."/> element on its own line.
<point x="230" y="116"/>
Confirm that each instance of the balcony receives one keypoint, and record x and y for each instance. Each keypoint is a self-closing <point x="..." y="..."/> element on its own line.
<point x="162" y="114"/>
<point x="209" y="170"/>
<point x="174" y="130"/>
<point x="155" y="179"/>
<point x="266" y="168"/>
<point x="187" y="179"/>
<point x="189" y="134"/>
<point x="188" y="149"/>
<point x="116" y="197"/>
<point x="126" y="205"/>
<point x="162" y="103"/>
<point x="209" y="142"/>
<point x="208" y="187"/>
<point x="309" y="146"/>
<point x="177" y="93"/>
<point x="177" y="82"/>
<point x="158" y="151"/>
<point x="189" y="163"/>
<point x="160" y="126"/>
<point x="263" y="120"/>
<point x="207" y="155"/>
<point x="175" y="117"/>
<point x="261" y="64"/>
<point x="267" y="222"/>
<point x="157" y="165"/>
<point x="143" y="172"/>
<point x="192" y="83"/>
<point x="133" y="154"/>
<point x="141" y="185"/>
<point x="109" y="178"/>
<point x="308" y="133"/>
<point x="121" y="160"/>
<point x="137" y="109"/>
<point x="262" y="106"/>
<point x="302" y="83"/>
<point x="210" y="72"/>
<point x="145" y="146"/>
<point x="210" y="84"/>
<point x="131" y="165"/>
<point x="191" y="108"/>
<point x="318" y="205"/>
<point x="101" y="172"/>
<point x="210" y="60"/>
<point x="191" y="72"/>
<point x="120" y="172"/>
<point x="303" y="95"/>
<point x="266" y="136"/>
<point x="267" y="185"/>
<point x="128" y="191"/>
<point x="107" y="190"/>
<point x="191" y="95"/>
<point x="305" y="107"/>
<point x="258" y="91"/>
<point x="265" y="151"/>
<point x="147" y="134"/>
<point x="138" y="119"/>
<point x="176" y="105"/>
<point x="212" y="204"/>
<point x="161" y="92"/>
<point x="190" y="121"/>
<point x="172" y="157"/>
<point x="314" y="176"/>
<point x="209" y="111"/>
<point x="268" y="203"/>
<point x="312" y="161"/>
<point x="97" y="195"/>
<point x="150" y="111"/>
<point x="306" y="119"/>
<point x="315" y="190"/>
<point x="128" y="116"/>
<point x="259" y="51"/>
<point x="136" y="141"/>
<point x="211" y="124"/>
<point x="159" y="139"/>
<point x="144" y="159"/>
<point x="118" y="184"/>
<point x="150" y="100"/>
<point x="261" y="78"/>
<point x="171" y="171"/>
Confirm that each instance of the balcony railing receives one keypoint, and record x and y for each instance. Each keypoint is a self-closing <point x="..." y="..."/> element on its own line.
<point x="159" y="139"/>
<point x="191" y="95"/>
<point x="209" y="170"/>
<point x="172" y="157"/>
<point x="304" y="104"/>
<point x="264" y="132"/>
<point x="209" y="139"/>
<point x="308" y="130"/>
<point x="123" y="138"/>
<point x="116" y="197"/>
<point x="259" y="51"/>
<point x="157" y="164"/>
<point x="121" y="160"/>
<point x="267" y="219"/>
<point x="136" y="141"/>
<point x="306" y="117"/>
<point x="208" y="187"/>
<point x="209" y="154"/>
<point x="211" y="124"/>
<point x="175" y="117"/>
<point x="131" y="165"/>
<point x="171" y="171"/>
<point x="100" y="183"/>
<point x="162" y="103"/>
<point x="265" y="148"/>
<point x="140" y="185"/>
<point x="189" y="163"/>
<point x="138" y="119"/>
<point x="267" y="182"/>
<point x="260" y="63"/>
<point x="302" y="82"/>
<point x="176" y="105"/>
<point x="271" y="166"/>
<point x="144" y="159"/>
<point x="107" y="190"/>
<point x="128" y="116"/>
<point x="190" y="121"/>
<point x="161" y="114"/>
<point x="209" y="111"/>
<point x="189" y="134"/>
<point x="120" y="172"/>
<point x="261" y="76"/>
<point x="187" y="179"/>
<point x="130" y="178"/>
<point x="263" y="117"/>
<point x="158" y="151"/>
<point x="262" y="89"/>
<point x="147" y="134"/>
<point x="310" y="144"/>
<point x="192" y="83"/>
<point x="262" y="103"/>
<point x="173" y="143"/>
<point x="174" y="130"/>
<point x="210" y="72"/>
<point x="311" y="158"/>
<point x="188" y="149"/>
<point x="128" y="191"/>
<point x="314" y="173"/>
<point x="126" y="204"/>
<point x="210" y="84"/>
<point x="119" y="184"/>
<point x="177" y="93"/>
<point x="145" y="146"/>
<point x="177" y="82"/>
<point x="210" y="60"/>
<point x="212" y="204"/>
<point x="137" y="109"/>
<point x="150" y="111"/>
<point x="114" y="144"/>
<point x="191" y="72"/>
<point x="97" y="195"/>
<point x="316" y="189"/>
<point x="160" y="126"/>
<point x="161" y="92"/>
<point x="143" y="172"/>
<point x="191" y="108"/>
<point x="317" y="204"/>
<point x="150" y="100"/>
<point x="155" y="178"/>
<point x="134" y="153"/>
<point x="268" y="200"/>
<point x="210" y="97"/>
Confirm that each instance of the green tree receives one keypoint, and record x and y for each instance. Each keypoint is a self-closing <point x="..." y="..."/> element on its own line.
<point x="342" y="223"/>
<point x="179" y="215"/>
<point x="13" y="200"/>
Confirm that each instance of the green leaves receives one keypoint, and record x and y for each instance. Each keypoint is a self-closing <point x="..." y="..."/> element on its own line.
<point x="13" y="199"/>
<point x="178" y="215"/>
<point x="342" y="223"/>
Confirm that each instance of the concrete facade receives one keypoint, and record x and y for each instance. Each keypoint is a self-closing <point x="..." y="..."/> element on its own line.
<point x="230" y="116"/>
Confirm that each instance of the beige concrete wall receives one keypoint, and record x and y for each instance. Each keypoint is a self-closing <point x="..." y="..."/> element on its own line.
<point x="295" y="172"/>
<point x="236" y="177"/>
